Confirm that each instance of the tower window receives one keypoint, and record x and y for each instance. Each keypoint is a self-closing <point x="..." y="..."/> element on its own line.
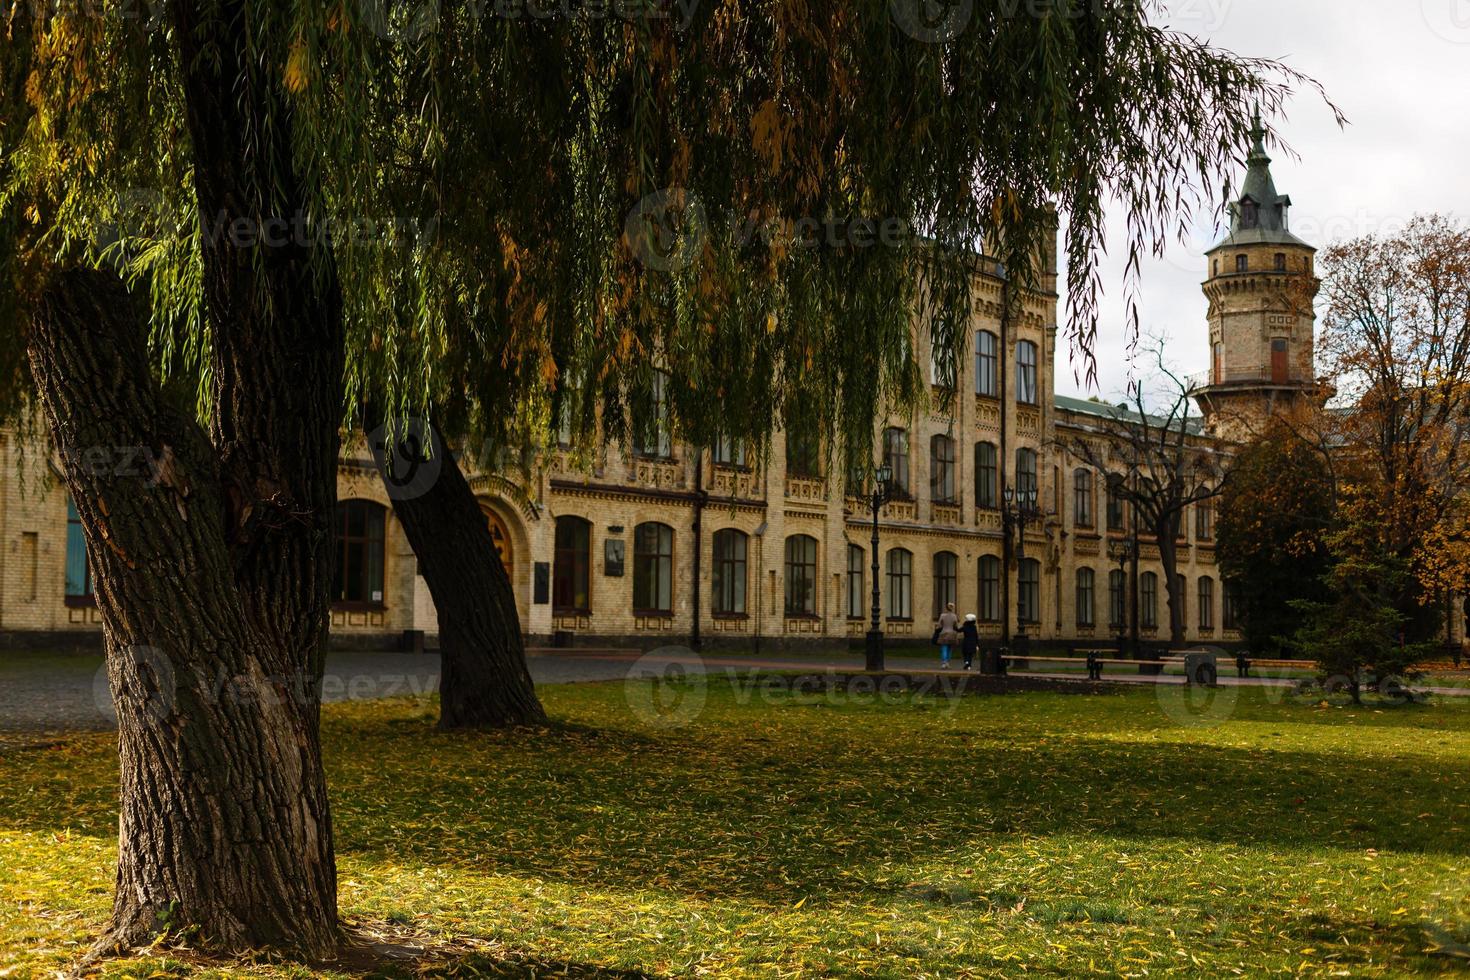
<point x="1242" y="263"/>
<point x="1280" y="261"/>
<point x="1216" y="270"/>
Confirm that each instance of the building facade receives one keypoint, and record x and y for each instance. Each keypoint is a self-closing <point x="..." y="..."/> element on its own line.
<point x="660" y="544"/>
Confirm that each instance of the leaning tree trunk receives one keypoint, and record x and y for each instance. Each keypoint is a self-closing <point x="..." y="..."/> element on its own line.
<point x="483" y="678"/>
<point x="224" y="826"/>
<point x="213" y="577"/>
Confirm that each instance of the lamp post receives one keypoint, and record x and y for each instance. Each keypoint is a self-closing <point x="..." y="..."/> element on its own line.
<point x="1121" y="551"/>
<point x="1020" y="507"/>
<point x="877" y="498"/>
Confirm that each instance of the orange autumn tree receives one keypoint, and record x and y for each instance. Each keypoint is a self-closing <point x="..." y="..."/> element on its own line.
<point x="1396" y="344"/>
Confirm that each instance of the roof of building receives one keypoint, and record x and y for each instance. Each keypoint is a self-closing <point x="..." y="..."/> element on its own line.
<point x="1259" y="215"/>
<point x="1119" y="413"/>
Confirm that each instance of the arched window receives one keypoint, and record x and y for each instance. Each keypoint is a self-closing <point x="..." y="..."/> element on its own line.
<point x="985" y="363"/>
<point x="1028" y="603"/>
<point x="801" y="575"/>
<point x="900" y="584"/>
<point x="653" y="568"/>
<point x="941" y="469"/>
<point x="1026" y="471"/>
<point x="946" y="580"/>
<point x="986" y="475"/>
<point x="1082" y="498"/>
<point x="1206" y="603"/>
<point x="856" y="563"/>
<point x="729" y="572"/>
<point x="359" y="569"/>
<point x="989" y="589"/>
<point x="896" y="458"/>
<point x="79" y="590"/>
<point x="1148" y="600"/>
<point x="1117" y="599"/>
<point x="1085" y="607"/>
<point x="571" y="567"/>
<point x="1026" y="372"/>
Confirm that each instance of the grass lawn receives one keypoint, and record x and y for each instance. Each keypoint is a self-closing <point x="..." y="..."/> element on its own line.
<point x="787" y="835"/>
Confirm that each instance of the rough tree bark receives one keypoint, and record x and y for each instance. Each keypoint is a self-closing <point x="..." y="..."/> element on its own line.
<point x="224" y="824"/>
<point x="483" y="679"/>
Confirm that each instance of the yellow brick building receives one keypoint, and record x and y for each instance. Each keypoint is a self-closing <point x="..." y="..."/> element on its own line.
<point x="663" y="544"/>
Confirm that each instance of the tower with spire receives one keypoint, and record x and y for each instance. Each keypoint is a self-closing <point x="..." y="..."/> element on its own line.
<point x="1260" y="286"/>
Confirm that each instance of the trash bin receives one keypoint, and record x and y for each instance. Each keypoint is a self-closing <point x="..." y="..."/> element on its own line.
<point x="1201" y="668"/>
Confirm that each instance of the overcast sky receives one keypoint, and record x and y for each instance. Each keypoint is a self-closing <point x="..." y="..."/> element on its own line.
<point x="1399" y="70"/>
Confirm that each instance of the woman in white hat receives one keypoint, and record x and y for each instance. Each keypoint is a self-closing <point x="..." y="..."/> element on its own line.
<point x="969" y="639"/>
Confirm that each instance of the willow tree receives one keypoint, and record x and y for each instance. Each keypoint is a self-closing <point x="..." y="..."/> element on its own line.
<point x="195" y="215"/>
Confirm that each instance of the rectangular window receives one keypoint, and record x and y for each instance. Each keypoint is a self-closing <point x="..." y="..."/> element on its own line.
<point x="651" y="434"/>
<point x="1232" y="617"/>
<point x="1148" y="600"/>
<point x="728" y="452"/>
<point x="856" y="560"/>
<point x="896" y="458"/>
<point x="1204" y="521"/>
<point x="803" y="454"/>
<point x="571" y="567"/>
<point x="1026" y="372"/>
<point x="653" y="568"/>
<point x="941" y="469"/>
<point x="985" y="359"/>
<point x="1116" y="513"/>
<point x="729" y="572"/>
<point x="1082" y="498"/>
<point x="900" y="584"/>
<point x="989" y="589"/>
<point x="1206" y="603"/>
<point x="986" y="475"/>
<point x="1026" y="472"/>
<point x="1029" y="600"/>
<point x="78" y="570"/>
<point x="1117" y="598"/>
<point x="946" y="581"/>
<point x="359" y="577"/>
<point x="801" y="575"/>
<point x="1084" y="597"/>
<point x="1242" y="263"/>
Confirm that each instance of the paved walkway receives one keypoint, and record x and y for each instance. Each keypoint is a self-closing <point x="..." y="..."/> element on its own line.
<point x="41" y="692"/>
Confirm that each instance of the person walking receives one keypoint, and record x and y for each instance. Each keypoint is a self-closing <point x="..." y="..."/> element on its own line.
<point x="947" y="634"/>
<point x="969" y="639"/>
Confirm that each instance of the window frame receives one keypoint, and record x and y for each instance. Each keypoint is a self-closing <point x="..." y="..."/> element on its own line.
<point x="1148" y="601"/>
<point x="1028" y="591"/>
<point x="987" y="475"/>
<point x="1085" y="588"/>
<point x="576" y="568"/>
<point x="941" y="469"/>
<point x="989" y="589"/>
<point x="1026" y="372"/>
<point x="800" y="569"/>
<point x="660" y="563"/>
<point x="373" y="538"/>
<point x="1205" y="604"/>
<point x="896" y="458"/>
<point x="987" y="358"/>
<point x="652" y="437"/>
<point x="856" y="575"/>
<point x="900" y="585"/>
<point x="76" y="549"/>
<point x="1117" y="598"/>
<point x="1082" y="484"/>
<point x="729" y="573"/>
<point x="945" y="581"/>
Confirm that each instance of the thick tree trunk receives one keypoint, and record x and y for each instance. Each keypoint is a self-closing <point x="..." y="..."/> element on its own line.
<point x="225" y="833"/>
<point x="483" y="680"/>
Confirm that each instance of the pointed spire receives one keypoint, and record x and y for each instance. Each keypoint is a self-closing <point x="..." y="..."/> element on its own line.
<point x="1258" y="138"/>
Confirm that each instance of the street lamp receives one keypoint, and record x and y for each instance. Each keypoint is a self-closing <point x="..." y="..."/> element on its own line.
<point x="1020" y="507"/>
<point x="1121" y="551"/>
<point x="877" y="498"/>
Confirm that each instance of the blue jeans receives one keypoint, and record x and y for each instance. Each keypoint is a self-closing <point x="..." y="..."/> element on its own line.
<point x="944" y="653"/>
